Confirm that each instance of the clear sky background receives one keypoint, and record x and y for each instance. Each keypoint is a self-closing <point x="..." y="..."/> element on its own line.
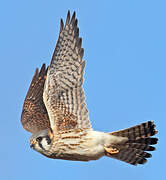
<point x="125" y="80"/>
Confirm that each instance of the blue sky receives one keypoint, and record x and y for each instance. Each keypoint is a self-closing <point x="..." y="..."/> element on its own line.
<point x="125" y="79"/>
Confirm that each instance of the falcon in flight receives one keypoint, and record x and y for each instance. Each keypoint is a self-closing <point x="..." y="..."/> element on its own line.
<point x="55" y="111"/>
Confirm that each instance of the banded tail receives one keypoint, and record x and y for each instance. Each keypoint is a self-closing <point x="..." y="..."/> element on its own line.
<point x="139" y="141"/>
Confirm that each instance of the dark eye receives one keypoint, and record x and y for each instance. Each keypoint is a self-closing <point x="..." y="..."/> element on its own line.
<point x="48" y="140"/>
<point x="38" y="139"/>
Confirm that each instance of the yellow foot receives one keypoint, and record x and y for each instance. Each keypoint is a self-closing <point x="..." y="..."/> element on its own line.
<point x="111" y="150"/>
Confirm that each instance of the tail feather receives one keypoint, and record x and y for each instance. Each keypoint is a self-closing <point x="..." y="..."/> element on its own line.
<point x="143" y="130"/>
<point x="144" y="147"/>
<point x="139" y="141"/>
<point x="132" y="156"/>
<point x="145" y="140"/>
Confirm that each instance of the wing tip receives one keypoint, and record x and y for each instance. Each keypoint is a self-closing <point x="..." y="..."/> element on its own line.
<point x="67" y="18"/>
<point x="61" y="25"/>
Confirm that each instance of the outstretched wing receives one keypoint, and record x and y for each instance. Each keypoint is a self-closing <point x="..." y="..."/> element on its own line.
<point x="63" y="93"/>
<point x="34" y="115"/>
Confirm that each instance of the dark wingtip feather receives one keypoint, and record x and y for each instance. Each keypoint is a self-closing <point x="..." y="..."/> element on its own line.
<point x="68" y="17"/>
<point x="81" y="53"/>
<point x="35" y="76"/>
<point x="36" y="71"/>
<point x="42" y="70"/>
<point x="61" y="25"/>
<point x="79" y="42"/>
<point x="76" y="23"/>
<point x="77" y="31"/>
<point x="47" y="69"/>
<point x="73" y="18"/>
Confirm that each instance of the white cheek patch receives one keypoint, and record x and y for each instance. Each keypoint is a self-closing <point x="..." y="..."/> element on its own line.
<point x="45" y="144"/>
<point x="37" y="147"/>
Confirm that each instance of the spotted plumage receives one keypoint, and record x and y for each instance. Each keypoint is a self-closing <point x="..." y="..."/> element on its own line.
<point x="55" y="111"/>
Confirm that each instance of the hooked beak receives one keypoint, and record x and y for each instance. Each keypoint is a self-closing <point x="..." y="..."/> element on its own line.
<point x="32" y="146"/>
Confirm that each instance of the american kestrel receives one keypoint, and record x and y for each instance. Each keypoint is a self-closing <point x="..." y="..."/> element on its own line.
<point x="55" y="111"/>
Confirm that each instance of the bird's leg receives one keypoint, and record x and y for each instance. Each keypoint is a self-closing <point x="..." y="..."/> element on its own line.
<point x="111" y="150"/>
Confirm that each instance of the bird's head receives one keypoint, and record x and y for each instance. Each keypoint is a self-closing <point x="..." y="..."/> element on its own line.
<point x="41" y="141"/>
